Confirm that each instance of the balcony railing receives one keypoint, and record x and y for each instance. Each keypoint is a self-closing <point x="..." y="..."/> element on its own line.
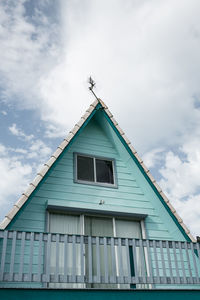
<point x="85" y="261"/>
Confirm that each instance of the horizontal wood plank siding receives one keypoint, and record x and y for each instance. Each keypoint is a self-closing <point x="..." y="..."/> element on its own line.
<point x="58" y="186"/>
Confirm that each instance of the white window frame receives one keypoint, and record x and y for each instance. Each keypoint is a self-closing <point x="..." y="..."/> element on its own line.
<point x="95" y="182"/>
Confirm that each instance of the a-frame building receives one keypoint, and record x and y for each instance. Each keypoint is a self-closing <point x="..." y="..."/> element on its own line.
<point x="95" y="217"/>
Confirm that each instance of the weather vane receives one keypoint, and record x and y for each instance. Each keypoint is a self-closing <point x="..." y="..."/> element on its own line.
<point x="92" y="85"/>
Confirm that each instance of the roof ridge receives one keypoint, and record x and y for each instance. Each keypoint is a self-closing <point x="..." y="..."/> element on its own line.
<point x="32" y="186"/>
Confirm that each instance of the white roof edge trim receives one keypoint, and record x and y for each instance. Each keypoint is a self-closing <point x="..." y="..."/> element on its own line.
<point x="32" y="186"/>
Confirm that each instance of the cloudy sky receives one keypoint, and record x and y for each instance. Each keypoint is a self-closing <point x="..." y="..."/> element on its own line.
<point x="144" y="56"/>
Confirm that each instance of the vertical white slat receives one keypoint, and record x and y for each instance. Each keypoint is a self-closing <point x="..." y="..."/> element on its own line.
<point x="3" y="256"/>
<point x="149" y="262"/>
<point x="98" y="260"/>
<point x="128" y="260"/>
<point x="105" y="259"/>
<point x="82" y="254"/>
<point x="66" y="258"/>
<point x="21" y="264"/>
<point x="176" y="262"/>
<point x="156" y="261"/>
<point x="146" y="254"/>
<point x="135" y="264"/>
<point x="57" y="258"/>
<point x="115" y="261"/>
<point x="90" y="259"/>
<point x="194" y="261"/>
<point x="40" y="257"/>
<point x="83" y="250"/>
<point x="163" y="261"/>
<point x="74" y="266"/>
<point x="169" y="261"/>
<point x="142" y="261"/>
<point x="182" y="262"/>
<point x="113" y="255"/>
<point x="188" y="261"/>
<point x="30" y="267"/>
<point x="48" y="258"/>
<point x="120" y="263"/>
<point x="12" y="259"/>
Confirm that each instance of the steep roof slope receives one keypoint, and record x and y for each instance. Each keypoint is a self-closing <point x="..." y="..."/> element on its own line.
<point x="25" y="196"/>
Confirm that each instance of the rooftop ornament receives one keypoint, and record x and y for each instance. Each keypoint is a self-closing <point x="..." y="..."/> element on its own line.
<point x="91" y="87"/>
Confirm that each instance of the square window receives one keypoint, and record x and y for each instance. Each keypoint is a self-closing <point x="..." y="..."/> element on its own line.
<point x="94" y="170"/>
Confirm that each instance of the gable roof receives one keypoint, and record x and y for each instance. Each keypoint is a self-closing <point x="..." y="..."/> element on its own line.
<point x="32" y="186"/>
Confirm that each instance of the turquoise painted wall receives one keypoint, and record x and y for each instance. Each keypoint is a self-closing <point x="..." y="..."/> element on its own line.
<point x="133" y="195"/>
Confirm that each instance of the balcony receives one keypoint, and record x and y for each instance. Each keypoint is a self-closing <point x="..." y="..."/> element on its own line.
<point x="75" y="261"/>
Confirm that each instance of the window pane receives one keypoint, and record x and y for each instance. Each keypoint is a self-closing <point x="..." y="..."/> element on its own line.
<point x="99" y="226"/>
<point x="128" y="229"/>
<point x="104" y="170"/>
<point x="85" y="168"/>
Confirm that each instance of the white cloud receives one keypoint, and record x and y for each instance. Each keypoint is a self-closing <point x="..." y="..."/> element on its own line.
<point x="18" y="167"/>
<point x="4" y="112"/>
<point x="181" y="177"/>
<point x="18" y="132"/>
<point x="19" y="150"/>
<point x="15" y="176"/>
<point x="35" y="148"/>
<point x="189" y="211"/>
<point x="181" y="181"/>
<point x="39" y="150"/>
<point x="153" y="157"/>
<point x="3" y="150"/>
<point x="144" y="56"/>
<point x="53" y="131"/>
<point x="26" y="54"/>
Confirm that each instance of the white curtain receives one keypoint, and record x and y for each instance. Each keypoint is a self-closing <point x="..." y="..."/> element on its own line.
<point x="102" y="227"/>
<point x="97" y="226"/>
<point x="129" y="229"/>
<point x="94" y="226"/>
<point x="66" y="224"/>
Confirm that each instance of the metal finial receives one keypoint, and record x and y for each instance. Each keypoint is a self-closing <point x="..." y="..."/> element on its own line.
<point x="92" y="85"/>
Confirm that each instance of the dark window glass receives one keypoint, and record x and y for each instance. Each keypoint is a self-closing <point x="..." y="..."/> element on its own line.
<point x="85" y="168"/>
<point x="104" y="171"/>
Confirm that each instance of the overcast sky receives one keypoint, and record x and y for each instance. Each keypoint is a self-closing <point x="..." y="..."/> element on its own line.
<point x="144" y="56"/>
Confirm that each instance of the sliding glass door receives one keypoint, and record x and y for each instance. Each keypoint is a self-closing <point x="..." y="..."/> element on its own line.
<point x="96" y="226"/>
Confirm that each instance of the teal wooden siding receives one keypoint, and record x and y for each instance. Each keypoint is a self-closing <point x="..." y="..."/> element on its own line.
<point x="133" y="194"/>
